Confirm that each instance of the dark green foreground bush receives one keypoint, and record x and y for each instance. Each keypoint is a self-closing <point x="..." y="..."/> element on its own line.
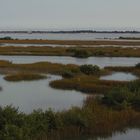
<point x="124" y="97"/>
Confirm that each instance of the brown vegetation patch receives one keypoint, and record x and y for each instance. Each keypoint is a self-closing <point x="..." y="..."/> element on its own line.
<point x="24" y="77"/>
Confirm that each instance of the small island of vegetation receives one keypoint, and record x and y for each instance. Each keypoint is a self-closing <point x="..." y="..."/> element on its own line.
<point x="24" y="76"/>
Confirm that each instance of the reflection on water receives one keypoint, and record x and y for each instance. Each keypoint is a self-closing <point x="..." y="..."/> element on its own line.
<point x="37" y="94"/>
<point x="100" y="61"/>
<point x="119" y="76"/>
<point x="132" y="134"/>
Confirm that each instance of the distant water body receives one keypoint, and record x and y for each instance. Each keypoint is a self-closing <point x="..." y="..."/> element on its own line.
<point x="69" y="36"/>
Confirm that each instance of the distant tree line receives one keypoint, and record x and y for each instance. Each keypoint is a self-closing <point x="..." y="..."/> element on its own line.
<point x="71" y="31"/>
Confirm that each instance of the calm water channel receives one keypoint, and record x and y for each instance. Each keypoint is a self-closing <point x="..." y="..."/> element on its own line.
<point x="100" y="61"/>
<point x="38" y="94"/>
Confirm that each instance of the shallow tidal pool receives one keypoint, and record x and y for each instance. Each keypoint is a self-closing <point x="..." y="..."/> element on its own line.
<point x="119" y="76"/>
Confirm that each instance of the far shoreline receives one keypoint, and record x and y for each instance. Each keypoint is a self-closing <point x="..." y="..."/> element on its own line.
<point x="70" y="31"/>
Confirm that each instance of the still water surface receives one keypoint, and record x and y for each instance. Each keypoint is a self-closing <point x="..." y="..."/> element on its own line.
<point x="69" y="36"/>
<point x="119" y="76"/>
<point x="32" y="95"/>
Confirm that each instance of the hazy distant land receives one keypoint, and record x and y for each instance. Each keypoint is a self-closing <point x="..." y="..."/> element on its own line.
<point x="71" y="31"/>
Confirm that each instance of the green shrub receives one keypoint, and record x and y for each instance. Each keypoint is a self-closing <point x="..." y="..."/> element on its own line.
<point x="75" y="117"/>
<point x="6" y="38"/>
<point x="89" y="69"/>
<point x="134" y="86"/>
<point x="123" y="97"/>
<point x="81" y="53"/>
<point x="119" y="96"/>
<point x="68" y="74"/>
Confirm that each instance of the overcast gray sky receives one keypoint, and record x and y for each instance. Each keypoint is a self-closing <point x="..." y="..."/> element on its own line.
<point x="69" y="14"/>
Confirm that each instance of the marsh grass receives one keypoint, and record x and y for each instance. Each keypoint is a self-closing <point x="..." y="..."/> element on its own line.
<point x="92" y="83"/>
<point x="5" y="63"/>
<point x="82" y="52"/>
<point x="73" y="77"/>
<point x="72" y="42"/>
<point x="24" y="76"/>
<point x="86" y="84"/>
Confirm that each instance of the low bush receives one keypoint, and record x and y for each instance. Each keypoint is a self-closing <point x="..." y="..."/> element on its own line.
<point x="6" y="38"/>
<point x="81" y="53"/>
<point x="68" y="74"/>
<point x="119" y="98"/>
<point x="89" y="69"/>
<point x="122" y="97"/>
